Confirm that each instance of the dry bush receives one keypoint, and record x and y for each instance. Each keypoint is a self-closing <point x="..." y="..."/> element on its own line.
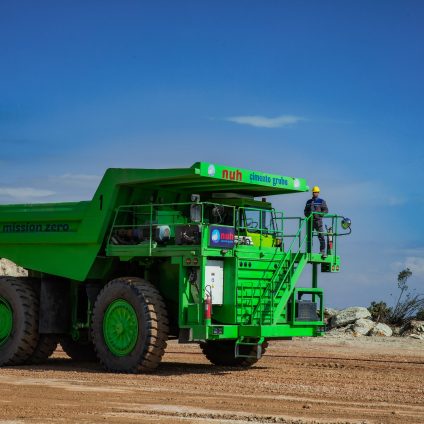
<point x="409" y="305"/>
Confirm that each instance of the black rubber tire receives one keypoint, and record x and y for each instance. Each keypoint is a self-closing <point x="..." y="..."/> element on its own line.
<point x="47" y="344"/>
<point x="24" y="337"/>
<point x="152" y="320"/>
<point x="78" y="350"/>
<point x="222" y="352"/>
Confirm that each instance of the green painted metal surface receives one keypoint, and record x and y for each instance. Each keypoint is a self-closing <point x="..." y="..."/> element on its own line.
<point x="6" y="320"/>
<point x="120" y="327"/>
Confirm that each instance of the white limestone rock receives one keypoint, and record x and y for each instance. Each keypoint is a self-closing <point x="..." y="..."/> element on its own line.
<point x="381" y="330"/>
<point x="349" y="316"/>
<point x="413" y="327"/>
<point x="363" y="326"/>
<point x="11" y="269"/>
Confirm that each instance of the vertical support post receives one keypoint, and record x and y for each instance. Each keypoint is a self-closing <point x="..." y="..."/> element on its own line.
<point x="150" y="229"/>
<point x="314" y="278"/>
<point x="309" y="220"/>
<point x="260" y="229"/>
<point x="335" y="227"/>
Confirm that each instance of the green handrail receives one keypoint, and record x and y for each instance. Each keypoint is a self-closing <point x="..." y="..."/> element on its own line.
<point x="290" y="259"/>
<point x="277" y="272"/>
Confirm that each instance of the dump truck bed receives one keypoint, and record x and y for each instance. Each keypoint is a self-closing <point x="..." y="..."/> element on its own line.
<point x="54" y="238"/>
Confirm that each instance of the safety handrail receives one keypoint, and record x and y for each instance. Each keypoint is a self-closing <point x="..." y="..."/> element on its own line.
<point x="290" y="258"/>
<point x="279" y="268"/>
<point x="148" y="211"/>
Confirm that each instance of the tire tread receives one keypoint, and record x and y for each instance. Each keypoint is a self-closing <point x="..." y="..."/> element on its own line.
<point x="25" y="347"/>
<point x="156" y="324"/>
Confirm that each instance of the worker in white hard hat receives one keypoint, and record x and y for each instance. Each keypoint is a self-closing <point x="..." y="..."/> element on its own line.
<point x="316" y="204"/>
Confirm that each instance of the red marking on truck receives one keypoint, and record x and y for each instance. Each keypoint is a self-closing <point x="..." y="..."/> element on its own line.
<point x="227" y="236"/>
<point x="232" y="175"/>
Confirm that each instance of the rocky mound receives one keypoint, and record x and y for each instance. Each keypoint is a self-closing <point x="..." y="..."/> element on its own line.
<point x="357" y="321"/>
<point x="413" y="329"/>
<point x="9" y="268"/>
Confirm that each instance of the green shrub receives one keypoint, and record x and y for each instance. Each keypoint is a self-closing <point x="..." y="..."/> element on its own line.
<point x="380" y="312"/>
<point x="408" y="306"/>
<point x="420" y="315"/>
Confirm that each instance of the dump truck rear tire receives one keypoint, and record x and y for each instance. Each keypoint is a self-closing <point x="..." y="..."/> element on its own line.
<point x="130" y="326"/>
<point x="18" y="320"/>
<point x="222" y="352"/>
<point x="77" y="350"/>
<point x="47" y="344"/>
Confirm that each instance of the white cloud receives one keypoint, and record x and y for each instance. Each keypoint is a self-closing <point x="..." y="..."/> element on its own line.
<point x="22" y="193"/>
<point x="78" y="181"/>
<point x="371" y="193"/>
<point x="415" y="264"/>
<point x="414" y="260"/>
<point x="395" y="200"/>
<point x="71" y="187"/>
<point x="264" y="122"/>
<point x="80" y="177"/>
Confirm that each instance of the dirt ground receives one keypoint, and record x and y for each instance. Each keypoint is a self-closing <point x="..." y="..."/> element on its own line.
<point x="325" y="380"/>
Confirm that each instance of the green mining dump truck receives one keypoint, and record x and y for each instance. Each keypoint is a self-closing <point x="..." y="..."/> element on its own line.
<point x="156" y="254"/>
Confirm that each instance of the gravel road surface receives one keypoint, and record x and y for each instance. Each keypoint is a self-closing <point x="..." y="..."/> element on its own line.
<point x="325" y="380"/>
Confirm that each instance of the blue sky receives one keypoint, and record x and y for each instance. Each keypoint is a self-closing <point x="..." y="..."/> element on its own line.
<point x="329" y="91"/>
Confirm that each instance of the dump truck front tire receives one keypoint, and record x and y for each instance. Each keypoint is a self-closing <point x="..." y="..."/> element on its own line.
<point x="130" y="326"/>
<point x="18" y="320"/>
<point x="222" y="352"/>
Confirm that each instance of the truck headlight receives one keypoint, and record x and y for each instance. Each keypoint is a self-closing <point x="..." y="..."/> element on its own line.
<point x="346" y="223"/>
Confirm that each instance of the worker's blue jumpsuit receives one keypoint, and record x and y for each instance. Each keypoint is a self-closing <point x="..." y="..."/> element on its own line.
<point x="316" y="205"/>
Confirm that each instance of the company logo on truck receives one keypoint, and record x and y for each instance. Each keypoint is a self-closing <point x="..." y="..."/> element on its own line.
<point x="255" y="177"/>
<point x="221" y="237"/>
<point x="268" y="179"/>
<point x="252" y="177"/>
<point x="35" y="228"/>
<point x="211" y="170"/>
<point x="232" y="175"/>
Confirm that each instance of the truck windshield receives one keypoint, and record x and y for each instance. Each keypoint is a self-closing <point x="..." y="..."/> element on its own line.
<point x="259" y="220"/>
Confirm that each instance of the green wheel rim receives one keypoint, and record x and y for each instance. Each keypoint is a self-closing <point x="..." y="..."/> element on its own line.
<point x="6" y="320"/>
<point x="120" y="327"/>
